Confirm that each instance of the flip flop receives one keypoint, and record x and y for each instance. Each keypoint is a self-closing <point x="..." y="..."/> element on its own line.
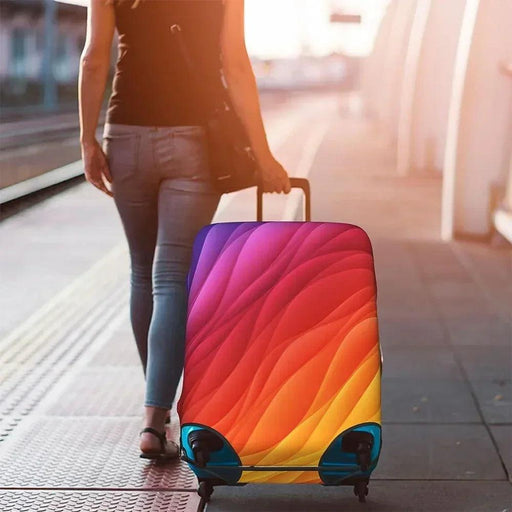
<point x="168" y="449"/>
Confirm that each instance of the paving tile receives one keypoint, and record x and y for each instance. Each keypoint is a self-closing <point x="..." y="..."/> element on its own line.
<point x="482" y="362"/>
<point x="478" y="328"/>
<point x="495" y="399"/>
<point x="427" y="401"/>
<point x="120" y="350"/>
<point x="438" y="263"/>
<point x="366" y="188"/>
<point x="450" y="282"/>
<point x="24" y="386"/>
<point x="411" y="333"/>
<point x="438" y="452"/>
<point x="488" y="261"/>
<point x="391" y="256"/>
<point x="420" y="363"/>
<point x="492" y="268"/>
<point x="400" y="276"/>
<point x="503" y="437"/>
<point x="98" y="501"/>
<point x="49" y="452"/>
<point x="458" y="299"/>
<point x="109" y="391"/>
<point x="405" y="305"/>
<point x="80" y="221"/>
<point x="384" y="496"/>
<point x="443" y="275"/>
<point x="7" y="425"/>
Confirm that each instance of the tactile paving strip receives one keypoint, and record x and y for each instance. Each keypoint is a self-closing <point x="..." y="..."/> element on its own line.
<point x="53" y="330"/>
<point x="7" y="425"/>
<point x="23" y="385"/>
<point x="109" y="391"/>
<point x="100" y="453"/>
<point x="48" y="345"/>
<point x="71" y="501"/>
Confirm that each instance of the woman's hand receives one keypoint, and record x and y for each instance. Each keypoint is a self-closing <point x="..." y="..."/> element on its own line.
<point x="274" y="177"/>
<point x="92" y="79"/>
<point x="96" y="167"/>
<point x="243" y="90"/>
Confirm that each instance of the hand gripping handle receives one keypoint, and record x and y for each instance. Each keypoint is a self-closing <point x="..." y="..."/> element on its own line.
<point x="302" y="183"/>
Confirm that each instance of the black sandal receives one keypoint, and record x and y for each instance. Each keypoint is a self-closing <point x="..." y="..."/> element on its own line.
<point x="164" y="453"/>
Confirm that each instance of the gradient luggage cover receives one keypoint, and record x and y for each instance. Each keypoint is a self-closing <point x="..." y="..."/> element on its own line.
<point x="282" y="354"/>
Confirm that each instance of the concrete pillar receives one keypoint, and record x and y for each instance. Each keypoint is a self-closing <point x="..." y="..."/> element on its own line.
<point x="392" y="76"/>
<point x="427" y="86"/>
<point x="507" y="203"/>
<point x="50" y="28"/>
<point x="503" y="214"/>
<point x="374" y="64"/>
<point x="479" y="138"/>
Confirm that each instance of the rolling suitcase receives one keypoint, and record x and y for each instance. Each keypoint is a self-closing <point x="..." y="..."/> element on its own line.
<point x="282" y="366"/>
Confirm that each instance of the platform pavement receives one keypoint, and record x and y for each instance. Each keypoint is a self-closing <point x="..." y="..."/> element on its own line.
<point x="446" y="336"/>
<point x="445" y="317"/>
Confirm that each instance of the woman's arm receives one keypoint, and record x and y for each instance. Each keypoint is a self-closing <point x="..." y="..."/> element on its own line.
<point x="244" y="94"/>
<point x="94" y="68"/>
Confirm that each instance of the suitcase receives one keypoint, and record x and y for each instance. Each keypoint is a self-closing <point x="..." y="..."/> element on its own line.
<point x="282" y="368"/>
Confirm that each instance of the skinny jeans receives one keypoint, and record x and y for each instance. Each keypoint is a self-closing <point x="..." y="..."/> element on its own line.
<point x="164" y="195"/>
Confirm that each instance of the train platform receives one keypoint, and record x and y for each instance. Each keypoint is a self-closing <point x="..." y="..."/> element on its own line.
<point x="71" y="386"/>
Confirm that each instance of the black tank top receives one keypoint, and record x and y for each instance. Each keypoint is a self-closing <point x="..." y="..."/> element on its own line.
<point x="151" y="85"/>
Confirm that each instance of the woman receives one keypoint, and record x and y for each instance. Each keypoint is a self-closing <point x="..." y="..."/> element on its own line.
<point x="154" y="161"/>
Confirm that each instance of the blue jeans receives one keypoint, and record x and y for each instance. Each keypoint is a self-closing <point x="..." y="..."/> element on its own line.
<point x="164" y="195"/>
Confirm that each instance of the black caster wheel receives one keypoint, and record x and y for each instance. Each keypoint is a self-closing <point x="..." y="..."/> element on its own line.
<point x="361" y="491"/>
<point x="205" y="490"/>
<point x="201" y="460"/>
<point x="364" y="456"/>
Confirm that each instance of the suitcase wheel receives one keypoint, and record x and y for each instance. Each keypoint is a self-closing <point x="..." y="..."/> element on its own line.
<point x="205" y="490"/>
<point x="360" y="443"/>
<point x="203" y="443"/>
<point x="361" y="491"/>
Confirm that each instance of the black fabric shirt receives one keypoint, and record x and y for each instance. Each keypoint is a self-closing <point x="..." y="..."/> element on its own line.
<point x="151" y="86"/>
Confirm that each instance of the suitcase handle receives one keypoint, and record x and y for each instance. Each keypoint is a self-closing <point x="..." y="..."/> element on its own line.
<point x="302" y="183"/>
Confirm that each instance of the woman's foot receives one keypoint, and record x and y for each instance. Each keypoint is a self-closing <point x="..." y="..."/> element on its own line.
<point x="158" y="446"/>
<point x="153" y="441"/>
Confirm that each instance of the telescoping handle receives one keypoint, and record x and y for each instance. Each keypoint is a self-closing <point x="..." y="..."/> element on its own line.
<point x="302" y="183"/>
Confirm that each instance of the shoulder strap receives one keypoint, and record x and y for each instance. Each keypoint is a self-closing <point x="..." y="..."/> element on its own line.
<point x="193" y="71"/>
<point x="185" y="54"/>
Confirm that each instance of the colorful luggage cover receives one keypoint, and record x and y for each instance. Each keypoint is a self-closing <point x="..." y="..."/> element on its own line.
<point x="282" y="365"/>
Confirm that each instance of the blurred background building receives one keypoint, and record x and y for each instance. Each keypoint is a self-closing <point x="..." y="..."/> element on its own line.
<point x="40" y="46"/>
<point x="292" y="43"/>
<point x="438" y="82"/>
<point x="435" y="76"/>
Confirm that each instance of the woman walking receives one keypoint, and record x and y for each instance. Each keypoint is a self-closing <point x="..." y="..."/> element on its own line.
<point x="154" y="161"/>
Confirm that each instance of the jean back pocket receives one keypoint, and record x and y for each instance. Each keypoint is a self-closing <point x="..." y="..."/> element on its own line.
<point x="122" y="152"/>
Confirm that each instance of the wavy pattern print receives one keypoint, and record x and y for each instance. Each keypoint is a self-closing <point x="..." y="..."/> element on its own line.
<point x="282" y="342"/>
